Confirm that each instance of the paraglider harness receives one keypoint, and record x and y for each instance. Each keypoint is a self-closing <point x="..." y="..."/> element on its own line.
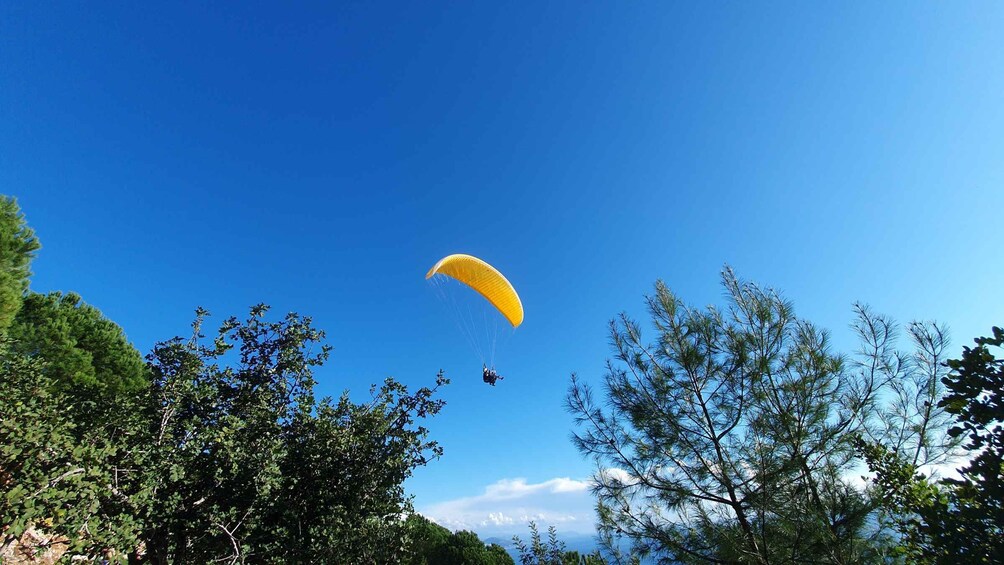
<point x="490" y="376"/>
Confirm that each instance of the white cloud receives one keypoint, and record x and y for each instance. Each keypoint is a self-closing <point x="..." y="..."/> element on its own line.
<point x="506" y="506"/>
<point x="499" y="519"/>
<point x="507" y="489"/>
<point x="611" y="474"/>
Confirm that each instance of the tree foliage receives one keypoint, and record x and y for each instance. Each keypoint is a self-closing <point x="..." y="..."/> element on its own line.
<point x="976" y="399"/>
<point x="226" y="456"/>
<point x="18" y="245"/>
<point x="539" y="551"/>
<point x="551" y="551"/>
<point x="907" y="417"/>
<point x="954" y="520"/>
<point x="72" y="387"/>
<point x="425" y="539"/>
<point x="52" y="474"/>
<point x="85" y="353"/>
<point x="249" y="467"/>
<point x="432" y="544"/>
<point x="213" y="450"/>
<point x="465" y="548"/>
<point x="730" y="437"/>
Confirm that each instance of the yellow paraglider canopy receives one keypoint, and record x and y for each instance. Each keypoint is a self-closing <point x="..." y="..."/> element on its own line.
<point x="485" y="279"/>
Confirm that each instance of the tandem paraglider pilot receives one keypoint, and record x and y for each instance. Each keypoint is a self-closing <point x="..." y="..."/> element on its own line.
<point x="490" y="376"/>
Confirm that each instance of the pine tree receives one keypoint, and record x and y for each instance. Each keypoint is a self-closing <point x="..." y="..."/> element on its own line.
<point x="730" y="437"/>
<point x="18" y="245"/>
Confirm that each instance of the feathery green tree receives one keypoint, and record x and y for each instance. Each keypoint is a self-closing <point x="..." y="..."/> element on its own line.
<point x="18" y="245"/>
<point x="730" y="437"/>
<point x="85" y="352"/>
<point x="551" y="551"/>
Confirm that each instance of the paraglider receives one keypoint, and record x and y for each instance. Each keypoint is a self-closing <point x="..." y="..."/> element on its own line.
<point x="498" y="301"/>
<point x="485" y="279"/>
<point x="489" y="375"/>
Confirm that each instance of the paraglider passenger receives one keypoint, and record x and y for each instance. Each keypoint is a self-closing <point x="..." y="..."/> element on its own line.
<point x="490" y="376"/>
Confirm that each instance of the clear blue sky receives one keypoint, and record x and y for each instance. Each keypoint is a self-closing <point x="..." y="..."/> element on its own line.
<point x="321" y="158"/>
